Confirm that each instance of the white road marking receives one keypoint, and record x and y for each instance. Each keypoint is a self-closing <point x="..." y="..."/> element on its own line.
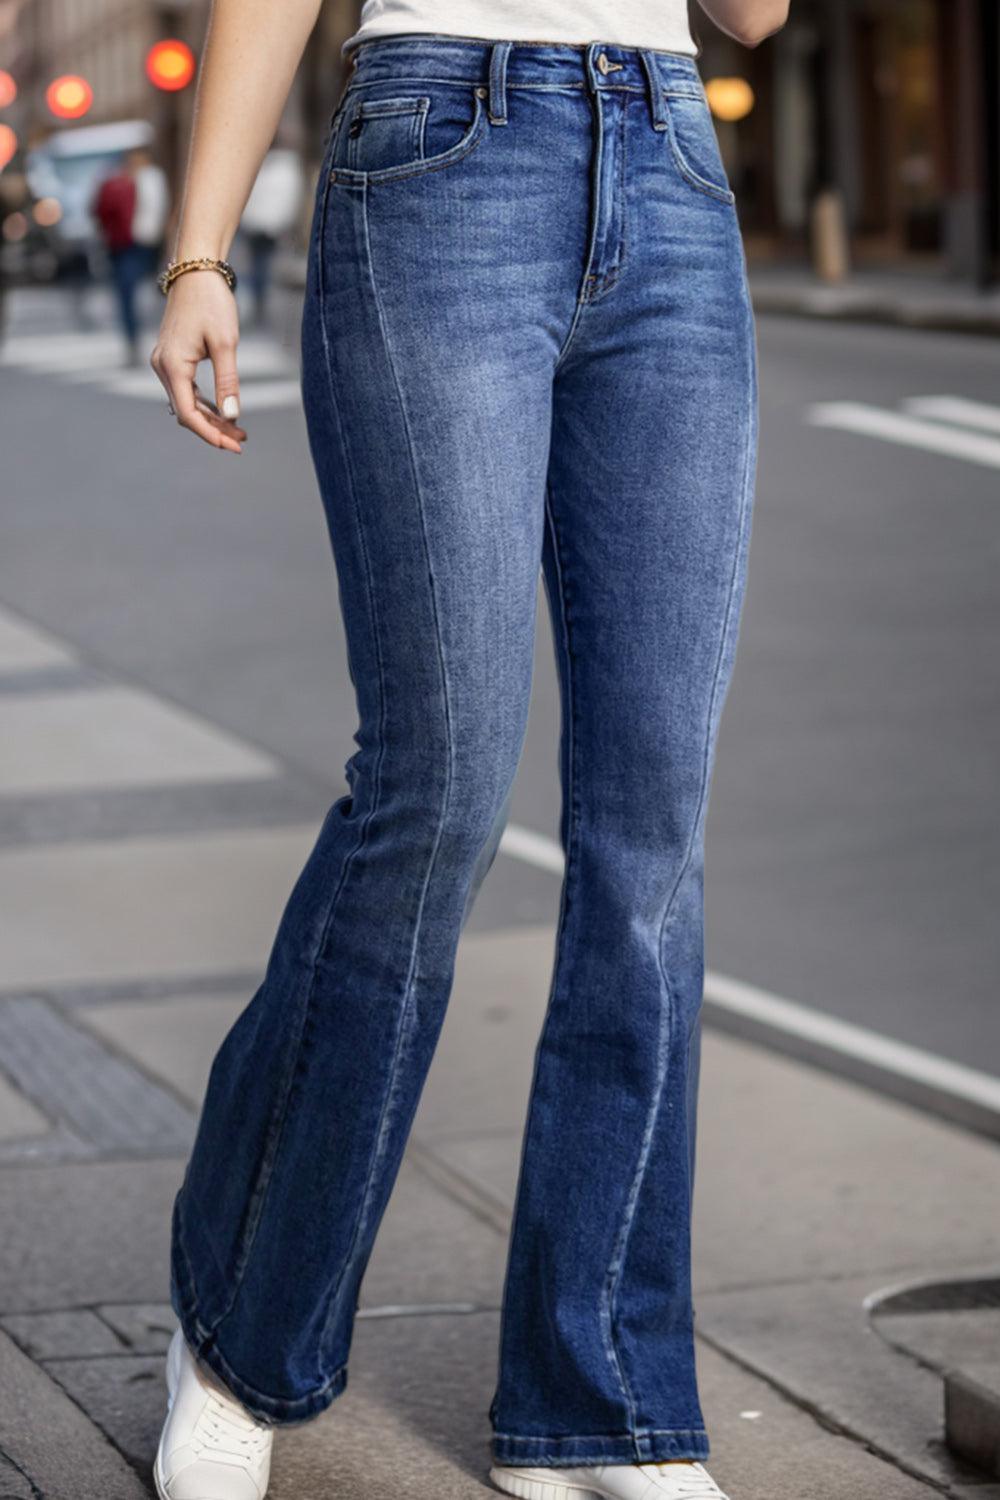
<point x="956" y="409"/>
<point x="911" y="432"/>
<point x="533" y="848"/>
<point x="269" y="372"/>
<point x="826" y="1032"/>
<point x="26" y="648"/>
<point x="849" y="1040"/>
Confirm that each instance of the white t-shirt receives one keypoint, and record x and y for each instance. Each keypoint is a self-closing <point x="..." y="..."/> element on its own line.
<point x="659" y="24"/>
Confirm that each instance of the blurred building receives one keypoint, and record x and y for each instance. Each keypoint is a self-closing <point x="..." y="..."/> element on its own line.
<point x="107" y="41"/>
<point x="892" y="102"/>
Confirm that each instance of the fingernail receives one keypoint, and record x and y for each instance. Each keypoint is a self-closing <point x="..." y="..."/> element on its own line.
<point x="230" y="407"/>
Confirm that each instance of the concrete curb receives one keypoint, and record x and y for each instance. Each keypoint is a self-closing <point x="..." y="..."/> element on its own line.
<point x="972" y="1415"/>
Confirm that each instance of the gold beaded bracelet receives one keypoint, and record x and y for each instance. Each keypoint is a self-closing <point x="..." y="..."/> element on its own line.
<point x="175" y="268"/>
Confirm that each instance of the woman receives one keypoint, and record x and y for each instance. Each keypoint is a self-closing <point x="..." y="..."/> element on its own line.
<point x="526" y="340"/>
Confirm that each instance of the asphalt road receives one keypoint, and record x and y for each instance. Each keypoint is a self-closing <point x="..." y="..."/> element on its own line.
<point x="853" y="832"/>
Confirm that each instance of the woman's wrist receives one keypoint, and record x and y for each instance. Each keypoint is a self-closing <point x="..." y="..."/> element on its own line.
<point x="191" y="242"/>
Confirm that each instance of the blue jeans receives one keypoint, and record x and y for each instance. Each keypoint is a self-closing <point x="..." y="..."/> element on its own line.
<point x="527" y="342"/>
<point x="130" y="267"/>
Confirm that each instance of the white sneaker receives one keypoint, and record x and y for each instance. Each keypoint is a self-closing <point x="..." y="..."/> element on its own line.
<point x="685" y="1480"/>
<point x="211" y="1448"/>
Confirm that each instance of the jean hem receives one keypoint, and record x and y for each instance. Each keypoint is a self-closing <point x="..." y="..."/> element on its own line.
<point x="269" y="1411"/>
<point x="647" y="1446"/>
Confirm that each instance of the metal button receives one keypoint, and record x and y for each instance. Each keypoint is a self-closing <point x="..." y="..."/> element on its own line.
<point x="482" y="93"/>
<point x="607" y="67"/>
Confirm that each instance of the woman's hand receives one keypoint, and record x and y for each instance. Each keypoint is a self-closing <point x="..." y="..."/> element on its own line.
<point x="201" y="322"/>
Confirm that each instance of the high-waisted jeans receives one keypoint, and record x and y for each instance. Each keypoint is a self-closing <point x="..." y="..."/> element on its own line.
<point x="527" y="344"/>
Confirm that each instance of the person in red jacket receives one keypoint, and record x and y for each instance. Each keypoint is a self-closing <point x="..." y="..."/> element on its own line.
<point x="130" y="208"/>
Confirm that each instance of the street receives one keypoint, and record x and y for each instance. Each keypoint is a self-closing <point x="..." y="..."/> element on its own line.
<point x="177" y="713"/>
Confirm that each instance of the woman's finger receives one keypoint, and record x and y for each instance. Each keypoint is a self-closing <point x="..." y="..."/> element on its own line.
<point x="205" y="404"/>
<point x="222" y="353"/>
<point x="181" y="388"/>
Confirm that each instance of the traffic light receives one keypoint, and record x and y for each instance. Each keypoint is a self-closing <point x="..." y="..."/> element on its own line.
<point x="8" y="89"/>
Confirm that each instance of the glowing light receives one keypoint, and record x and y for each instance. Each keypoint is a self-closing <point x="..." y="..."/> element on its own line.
<point x="170" y="65"/>
<point x="8" y="89"/>
<point x="69" y="97"/>
<point x="8" y="145"/>
<point x="47" y="211"/>
<point x="15" y="226"/>
<point x="729" y="98"/>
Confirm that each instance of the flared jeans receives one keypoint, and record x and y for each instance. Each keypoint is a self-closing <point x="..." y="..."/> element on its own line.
<point x="527" y="345"/>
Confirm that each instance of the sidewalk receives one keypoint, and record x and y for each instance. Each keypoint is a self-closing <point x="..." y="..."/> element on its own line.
<point x="875" y="296"/>
<point x="812" y="1195"/>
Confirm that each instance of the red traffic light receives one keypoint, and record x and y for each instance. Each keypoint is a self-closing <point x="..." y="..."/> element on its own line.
<point x="170" y="64"/>
<point x="69" y="96"/>
<point x="8" y="89"/>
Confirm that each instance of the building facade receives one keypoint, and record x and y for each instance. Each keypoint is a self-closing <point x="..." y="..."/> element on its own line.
<point x="892" y="103"/>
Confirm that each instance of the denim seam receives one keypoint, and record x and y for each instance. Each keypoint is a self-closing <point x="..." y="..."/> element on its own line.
<point x="575" y="86"/>
<point x="695" y="179"/>
<point x="599" y="1437"/>
<point x="613" y="1276"/>
<point x="403" y="1028"/>
<point x="569" y="868"/>
<point x="349" y="176"/>
<point x="272" y="1146"/>
<point x="583" y="295"/>
<point x="720" y="657"/>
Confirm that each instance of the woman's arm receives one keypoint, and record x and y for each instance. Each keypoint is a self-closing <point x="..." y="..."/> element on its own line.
<point x="749" y="21"/>
<point x="252" y="50"/>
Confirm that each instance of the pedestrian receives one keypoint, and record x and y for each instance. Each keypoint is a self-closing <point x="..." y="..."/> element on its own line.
<point x="527" y="340"/>
<point x="271" y="211"/>
<point x="131" y="208"/>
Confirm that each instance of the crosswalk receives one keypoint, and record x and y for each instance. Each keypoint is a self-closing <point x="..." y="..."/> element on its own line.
<point x="269" y="377"/>
<point x="950" y="425"/>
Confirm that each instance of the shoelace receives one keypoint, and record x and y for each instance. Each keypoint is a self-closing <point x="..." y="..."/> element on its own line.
<point x="234" y="1427"/>
<point x="689" y="1483"/>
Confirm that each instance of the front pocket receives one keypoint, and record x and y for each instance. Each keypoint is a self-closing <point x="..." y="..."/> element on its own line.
<point x="695" y="145"/>
<point x="383" y="133"/>
<point x="385" y="139"/>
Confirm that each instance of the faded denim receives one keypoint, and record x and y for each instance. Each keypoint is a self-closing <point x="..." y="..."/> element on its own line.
<point x="527" y="342"/>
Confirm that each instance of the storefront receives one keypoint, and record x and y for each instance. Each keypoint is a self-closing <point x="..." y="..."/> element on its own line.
<point x="891" y="102"/>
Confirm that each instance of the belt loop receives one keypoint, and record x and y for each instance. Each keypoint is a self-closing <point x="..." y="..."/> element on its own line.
<point x="657" y="103"/>
<point x="498" y="83"/>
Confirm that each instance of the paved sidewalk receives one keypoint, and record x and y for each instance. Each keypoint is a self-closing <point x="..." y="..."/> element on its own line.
<point x="812" y="1195"/>
<point x="895" y="295"/>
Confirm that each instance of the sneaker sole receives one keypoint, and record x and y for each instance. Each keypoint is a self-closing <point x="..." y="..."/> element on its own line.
<point x="161" y="1492"/>
<point x="527" y="1486"/>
